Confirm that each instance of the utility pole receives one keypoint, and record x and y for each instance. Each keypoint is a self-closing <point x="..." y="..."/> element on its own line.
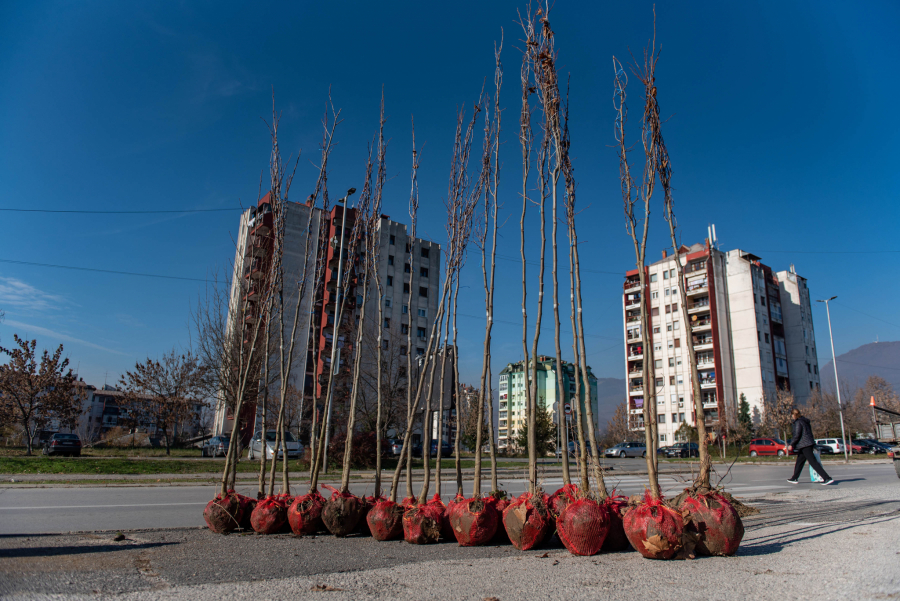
<point x="837" y="384"/>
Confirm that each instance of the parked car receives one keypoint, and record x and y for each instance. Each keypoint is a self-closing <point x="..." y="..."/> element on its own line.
<point x="294" y="448"/>
<point x="215" y="446"/>
<point x="768" y="446"/>
<point x="63" y="444"/>
<point x="571" y="450"/>
<point x="884" y="445"/>
<point x="822" y="449"/>
<point x="868" y="446"/>
<point x="394" y="445"/>
<point x="834" y="444"/>
<point x="627" y="449"/>
<point x="662" y="450"/>
<point x="684" y="449"/>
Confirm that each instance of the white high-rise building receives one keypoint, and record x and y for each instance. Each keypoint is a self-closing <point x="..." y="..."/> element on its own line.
<point x="751" y="328"/>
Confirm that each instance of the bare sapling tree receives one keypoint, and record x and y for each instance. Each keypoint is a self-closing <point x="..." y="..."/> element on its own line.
<point x="36" y="391"/>
<point x="373" y="255"/>
<point x="526" y="142"/>
<point x="460" y="209"/>
<point x="364" y="221"/>
<point x="637" y="227"/>
<point x="664" y="170"/>
<point x="330" y="120"/>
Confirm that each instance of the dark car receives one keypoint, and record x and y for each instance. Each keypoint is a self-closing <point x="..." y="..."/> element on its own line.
<point x="394" y="446"/>
<point x="683" y="449"/>
<point x="63" y="444"/>
<point x="663" y="450"/>
<point x="215" y="446"/>
<point x="868" y="446"/>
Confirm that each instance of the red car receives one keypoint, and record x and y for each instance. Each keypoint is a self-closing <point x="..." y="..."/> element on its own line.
<point x="768" y="446"/>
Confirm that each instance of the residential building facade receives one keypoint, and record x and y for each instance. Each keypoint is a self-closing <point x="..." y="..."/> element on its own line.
<point x="512" y="393"/>
<point x="751" y="330"/>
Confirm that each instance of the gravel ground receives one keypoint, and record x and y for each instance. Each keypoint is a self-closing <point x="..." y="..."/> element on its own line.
<point x="821" y="542"/>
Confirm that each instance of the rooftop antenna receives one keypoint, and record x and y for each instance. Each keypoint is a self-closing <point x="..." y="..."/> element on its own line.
<point x="715" y="240"/>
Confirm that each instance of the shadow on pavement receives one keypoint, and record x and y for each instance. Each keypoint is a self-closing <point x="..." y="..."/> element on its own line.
<point x="76" y="549"/>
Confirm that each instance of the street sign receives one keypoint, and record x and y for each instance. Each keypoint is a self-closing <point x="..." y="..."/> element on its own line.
<point x="568" y="409"/>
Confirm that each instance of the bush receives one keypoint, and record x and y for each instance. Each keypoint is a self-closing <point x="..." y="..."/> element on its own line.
<point x="363" y="453"/>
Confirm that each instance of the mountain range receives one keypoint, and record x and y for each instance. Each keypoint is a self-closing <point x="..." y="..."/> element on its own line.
<point x="855" y="366"/>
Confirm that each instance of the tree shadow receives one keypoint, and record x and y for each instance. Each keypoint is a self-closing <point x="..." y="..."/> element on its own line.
<point x="76" y="549"/>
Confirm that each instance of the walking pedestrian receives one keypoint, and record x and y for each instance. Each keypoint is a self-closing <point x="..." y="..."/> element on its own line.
<point x="802" y="441"/>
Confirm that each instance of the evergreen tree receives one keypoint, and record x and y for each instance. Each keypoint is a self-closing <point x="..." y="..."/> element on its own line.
<point x="545" y="432"/>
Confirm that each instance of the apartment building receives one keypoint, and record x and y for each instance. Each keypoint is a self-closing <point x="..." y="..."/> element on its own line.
<point x="751" y="329"/>
<point x="513" y="381"/>
<point x="406" y="264"/>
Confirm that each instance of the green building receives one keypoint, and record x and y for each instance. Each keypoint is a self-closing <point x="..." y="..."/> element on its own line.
<point x="512" y="395"/>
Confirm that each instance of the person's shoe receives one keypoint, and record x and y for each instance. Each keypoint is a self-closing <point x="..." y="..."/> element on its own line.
<point x="792" y="481"/>
<point x="827" y="482"/>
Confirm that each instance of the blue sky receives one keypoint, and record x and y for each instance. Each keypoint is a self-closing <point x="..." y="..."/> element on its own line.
<point x="781" y="132"/>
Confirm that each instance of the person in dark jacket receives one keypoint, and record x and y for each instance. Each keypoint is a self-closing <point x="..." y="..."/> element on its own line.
<point x="803" y="442"/>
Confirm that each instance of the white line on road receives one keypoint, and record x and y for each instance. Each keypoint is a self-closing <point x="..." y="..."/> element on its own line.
<point x="100" y="506"/>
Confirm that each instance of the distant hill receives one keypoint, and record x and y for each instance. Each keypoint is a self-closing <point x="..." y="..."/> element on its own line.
<point x="610" y="392"/>
<point x="854" y="367"/>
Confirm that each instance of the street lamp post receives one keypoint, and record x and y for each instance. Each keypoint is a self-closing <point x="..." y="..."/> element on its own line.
<point x="837" y="384"/>
<point x="334" y="332"/>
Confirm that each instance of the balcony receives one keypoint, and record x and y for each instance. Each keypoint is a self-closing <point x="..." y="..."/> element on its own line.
<point x="632" y="303"/>
<point x="635" y="352"/>
<point x="706" y="362"/>
<point x="697" y="288"/>
<point x="632" y="319"/>
<point x="700" y="305"/>
<point x="636" y="391"/>
<point x="695" y="268"/>
<point x="632" y="285"/>
<point x="706" y="383"/>
<point x="633" y="336"/>
<point x="701" y="325"/>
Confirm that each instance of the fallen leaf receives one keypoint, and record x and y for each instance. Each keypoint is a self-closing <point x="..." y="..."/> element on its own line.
<point x="543" y="556"/>
<point x="490" y="599"/>
<point x="656" y="544"/>
<point x="325" y="587"/>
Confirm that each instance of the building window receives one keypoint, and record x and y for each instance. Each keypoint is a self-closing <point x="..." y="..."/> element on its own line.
<point x="387" y="322"/>
<point x="674" y="307"/>
<point x="671" y="361"/>
<point x="762" y="300"/>
<point x="671" y="345"/>
<point x="392" y="239"/>
<point x="674" y="418"/>
<point x="675" y="325"/>
<point x="656" y="330"/>
<point x="816" y="369"/>
<point x="661" y="418"/>
<point x="665" y="275"/>
<point x="657" y="364"/>
<point x="657" y="347"/>
<point x="390" y="280"/>
<point x="423" y="271"/>
<point x="654" y="294"/>
<point x="767" y="338"/>
<point x="677" y="342"/>
<point x="385" y="344"/>
<point x="668" y="309"/>
<point x="390" y="259"/>
<point x="402" y="350"/>
<point x="420" y="351"/>
<point x="659" y="382"/>
<point x="359" y="299"/>
<point x="671" y="380"/>
<point x="662" y="438"/>
<point x="680" y="380"/>
<point x="681" y="417"/>
<point x="407" y="248"/>
<point x="652" y="277"/>
<point x="667" y="292"/>
<point x="421" y="332"/>
<point x="654" y="312"/>
<point x="387" y="302"/>
<point x="424" y="253"/>
<point x="423" y="313"/>
<point x="668" y="327"/>
<point x="406" y="287"/>
<point x="405" y="309"/>
<point x="423" y="291"/>
<point x="404" y="328"/>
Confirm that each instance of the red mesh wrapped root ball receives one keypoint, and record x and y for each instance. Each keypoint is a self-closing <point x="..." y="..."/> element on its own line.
<point x="362" y="527"/>
<point x="474" y="521"/>
<point x="582" y="526"/>
<point x="527" y="521"/>
<point x="385" y="520"/>
<point x="247" y="505"/>
<point x="615" y="536"/>
<point x="562" y="497"/>
<point x="718" y="525"/>
<point x="342" y="513"/>
<point x="501" y="503"/>
<point x="654" y="529"/>
<point x="422" y="524"/>
<point x="446" y="529"/>
<point x="223" y="514"/>
<point x="269" y="515"/>
<point x="305" y="514"/>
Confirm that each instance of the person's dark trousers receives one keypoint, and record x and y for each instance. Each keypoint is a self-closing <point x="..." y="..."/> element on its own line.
<point x="806" y="454"/>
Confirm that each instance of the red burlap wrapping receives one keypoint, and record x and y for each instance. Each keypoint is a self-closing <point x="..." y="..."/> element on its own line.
<point x="223" y="513"/>
<point x="654" y="529"/>
<point x="562" y="497"/>
<point x="248" y="504"/>
<point x="527" y="521"/>
<point x="305" y="514"/>
<point x="446" y="528"/>
<point x="501" y="503"/>
<point x="270" y="514"/>
<point x="342" y="512"/>
<point x="615" y="537"/>
<point x="385" y="520"/>
<point x="363" y="526"/>
<point x="422" y="524"/>
<point x="582" y="526"/>
<point x="474" y="521"/>
<point x="719" y="526"/>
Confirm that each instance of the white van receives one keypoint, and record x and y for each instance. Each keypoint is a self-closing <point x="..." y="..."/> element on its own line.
<point x="834" y="444"/>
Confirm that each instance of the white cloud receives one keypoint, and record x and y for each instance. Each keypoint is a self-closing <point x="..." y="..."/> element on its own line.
<point x="18" y="294"/>
<point x="26" y="330"/>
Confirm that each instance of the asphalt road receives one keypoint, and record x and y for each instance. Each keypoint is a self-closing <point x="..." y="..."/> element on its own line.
<point x="78" y="509"/>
